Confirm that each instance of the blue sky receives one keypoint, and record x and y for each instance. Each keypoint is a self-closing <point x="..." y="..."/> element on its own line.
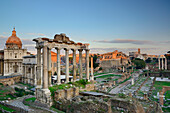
<point x="102" y="23"/>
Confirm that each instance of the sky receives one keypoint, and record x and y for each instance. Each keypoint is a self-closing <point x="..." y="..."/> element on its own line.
<point x="105" y="24"/>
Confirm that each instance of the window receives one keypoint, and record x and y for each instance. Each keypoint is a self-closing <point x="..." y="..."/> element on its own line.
<point x="15" y="55"/>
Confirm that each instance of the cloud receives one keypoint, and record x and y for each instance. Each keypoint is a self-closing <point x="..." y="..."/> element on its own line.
<point x="1" y="36"/>
<point x="36" y="34"/>
<point x="131" y="41"/>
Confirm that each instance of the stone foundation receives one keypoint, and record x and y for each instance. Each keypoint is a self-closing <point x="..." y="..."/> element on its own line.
<point x="44" y="96"/>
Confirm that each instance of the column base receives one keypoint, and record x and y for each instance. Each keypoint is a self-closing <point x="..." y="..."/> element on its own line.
<point x="44" y="96"/>
<point x="58" y="83"/>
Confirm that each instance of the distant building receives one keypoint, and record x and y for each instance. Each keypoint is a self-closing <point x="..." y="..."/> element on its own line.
<point x="113" y="59"/>
<point x="11" y="57"/>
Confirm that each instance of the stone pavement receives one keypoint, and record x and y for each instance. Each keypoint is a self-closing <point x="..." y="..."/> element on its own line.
<point x="18" y="103"/>
<point x="123" y="85"/>
<point x="107" y="74"/>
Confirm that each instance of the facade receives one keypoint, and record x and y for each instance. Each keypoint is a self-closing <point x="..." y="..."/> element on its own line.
<point x="11" y="57"/>
<point x="113" y="60"/>
<point x="29" y="69"/>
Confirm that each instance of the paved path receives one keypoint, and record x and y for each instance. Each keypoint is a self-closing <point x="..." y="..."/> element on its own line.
<point x="108" y="74"/>
<point x="18" y="103"/>
<point x="123" y="85"/>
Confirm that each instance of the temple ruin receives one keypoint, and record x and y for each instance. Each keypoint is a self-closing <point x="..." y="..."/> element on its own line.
<point x="60" y="41"/>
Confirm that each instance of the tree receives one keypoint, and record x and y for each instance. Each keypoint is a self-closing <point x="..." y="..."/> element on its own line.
<point x="94" y="61"/>
<point x="148" y="60"/>
<point x="139" y="63"/>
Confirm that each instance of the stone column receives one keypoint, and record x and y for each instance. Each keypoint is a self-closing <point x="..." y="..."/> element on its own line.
<point x="58" y="66"/>
<point x="123" y="69"/>
<point x="67" y="64"/>
<point x="87" y="64"/>
<point x="35" y="76"/>
<point x="49" y="67"/>
<point x="80" y="64"/>
<point x="31" y="78"/>
<point x="162" y="63"/>
<point x="45" y="72"/>
<point x="159" y="61"/>
<point x="25" y="74"/>
<point x="38" y="67"/>
<point x="92" y="76"/>
<point x="74" y="65"/>
<point x="165" y="64"/>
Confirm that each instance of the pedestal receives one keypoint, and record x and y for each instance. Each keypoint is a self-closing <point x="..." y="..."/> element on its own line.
<point x="44" y="96"/>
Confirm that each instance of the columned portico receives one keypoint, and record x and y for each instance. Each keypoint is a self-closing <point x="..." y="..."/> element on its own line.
<point x="162" y="61"/>
<point x="60" y="41"/>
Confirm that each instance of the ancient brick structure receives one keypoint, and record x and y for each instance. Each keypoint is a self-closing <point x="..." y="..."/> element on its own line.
<point x="161" y="94"/>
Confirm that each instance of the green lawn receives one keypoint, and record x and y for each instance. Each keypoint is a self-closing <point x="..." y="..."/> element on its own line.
<point x="99" y="74"/>
<point x="31" y="99"/>
<point x="6" y="108"/>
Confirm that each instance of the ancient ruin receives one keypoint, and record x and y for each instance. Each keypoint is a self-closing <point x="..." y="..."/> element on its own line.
<point x="60" y="41"/>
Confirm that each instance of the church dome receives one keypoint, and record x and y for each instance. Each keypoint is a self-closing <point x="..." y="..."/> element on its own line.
<point x="13" y="41"/>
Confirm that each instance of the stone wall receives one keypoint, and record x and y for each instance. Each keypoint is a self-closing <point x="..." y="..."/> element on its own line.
<point x="10" y="80"/>
<point x="128" y="106"/>
<point x="71" y="92"/>
<point x="66" y="93"/>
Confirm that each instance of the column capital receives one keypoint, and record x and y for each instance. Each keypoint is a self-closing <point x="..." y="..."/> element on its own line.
<point x="66" y="49"/>
<point x="80" y="50"/>
<point x="73" y="49"/>
<point x="87" y="49"/>
<point x="58" y="48"/>
<point x="38" y="47"/>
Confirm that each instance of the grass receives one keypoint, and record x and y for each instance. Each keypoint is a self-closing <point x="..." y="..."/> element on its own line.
<point x="109" y="75"/>
<point x="31" y="99"/>
<point x="6" y="108"/>
<point x="158" y="87"/>
<point x="80" y="83"/>
<point x="99" y="74"/>
<point x="58" y="111"/>
<point x="166" y="109"/>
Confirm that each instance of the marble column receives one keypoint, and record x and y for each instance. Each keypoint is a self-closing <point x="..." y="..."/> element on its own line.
<point x="123" y="69"/>
<point x="58" y="66"/>
<point x="67" y="64"/>
<point x="87" y="64"/>
<point x="35" y="76"/>
<point x="80" y="64"/>
<point x="159" y="61"/>
<point x="162" y="63"/>
<point x="74" y="65"/>
<point x="45" y="72"/>
<point x="92" y="76"/>
<point x="165" y="64"/>
<point x="31" y="78"/>
<point x="49" y="67"/>
<point x="25" y="75"/>
<point x="38" y="67"/>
